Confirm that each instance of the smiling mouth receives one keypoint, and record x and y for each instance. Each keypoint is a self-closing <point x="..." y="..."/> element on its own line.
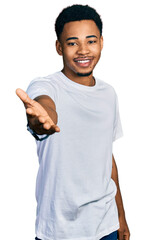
<point x="83" y="62"/>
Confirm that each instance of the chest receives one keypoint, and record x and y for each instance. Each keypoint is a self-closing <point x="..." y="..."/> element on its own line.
<point x="84" y="110"/>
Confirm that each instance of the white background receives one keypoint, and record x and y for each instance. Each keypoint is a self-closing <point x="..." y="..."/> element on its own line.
<point x="27" y="50"/>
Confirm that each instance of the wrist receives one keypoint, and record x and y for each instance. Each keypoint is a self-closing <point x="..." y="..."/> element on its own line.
<point x="38" y="137"/>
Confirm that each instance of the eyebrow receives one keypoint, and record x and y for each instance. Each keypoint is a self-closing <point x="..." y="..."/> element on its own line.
<point x="90" y="36"/>
<point x="71" y="38"/>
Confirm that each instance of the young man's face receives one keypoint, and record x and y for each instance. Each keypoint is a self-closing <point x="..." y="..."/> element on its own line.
<point x="80" y="45"/>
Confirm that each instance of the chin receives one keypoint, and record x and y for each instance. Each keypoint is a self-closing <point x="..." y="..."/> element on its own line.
<point x="84" y="74"/>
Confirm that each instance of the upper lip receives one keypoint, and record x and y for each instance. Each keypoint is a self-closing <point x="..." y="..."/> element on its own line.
<point x="83" y="58"/>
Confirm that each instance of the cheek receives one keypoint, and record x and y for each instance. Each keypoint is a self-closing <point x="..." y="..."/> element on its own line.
<point x="96" y="51"/>
<point x="69" y="51"/>
<point x="67" y="58"/>
<point x="67" y="54"/>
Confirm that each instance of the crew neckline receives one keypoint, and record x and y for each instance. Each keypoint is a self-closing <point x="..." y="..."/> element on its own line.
<point x="76" y="85"/>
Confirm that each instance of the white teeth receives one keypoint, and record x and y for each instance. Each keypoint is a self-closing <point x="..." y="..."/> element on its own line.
<point x="83" y="61"/>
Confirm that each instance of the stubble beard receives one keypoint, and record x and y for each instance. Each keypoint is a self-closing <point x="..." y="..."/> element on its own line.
<point x="84" y="74"/>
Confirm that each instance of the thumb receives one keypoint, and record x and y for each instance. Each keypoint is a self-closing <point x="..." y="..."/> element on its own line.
<point x="23" y="96"/>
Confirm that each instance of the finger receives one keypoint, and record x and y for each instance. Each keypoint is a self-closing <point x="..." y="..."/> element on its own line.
<point x="23" y="96"/>
<point x="120" y="235"/>
<point x="32" y="112"/>
<point x="48" y="123"/>
<point x="126" y="236"/>
<point x="57" y="128"/>
<point x="53" y="128"/>
<point x="46" y="119"/>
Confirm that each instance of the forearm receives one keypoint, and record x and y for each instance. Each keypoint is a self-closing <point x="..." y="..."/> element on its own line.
<point x="123" y="231"/>
<point x="119" y="201"/>
<point x="48" y="104"/>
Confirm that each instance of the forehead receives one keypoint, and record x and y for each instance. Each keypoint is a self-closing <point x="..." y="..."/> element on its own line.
<point x="80" y="28"/>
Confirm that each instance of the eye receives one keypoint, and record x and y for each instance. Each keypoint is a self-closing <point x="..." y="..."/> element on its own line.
<point x="92" y="41"/>
<point x="71" y="44"/>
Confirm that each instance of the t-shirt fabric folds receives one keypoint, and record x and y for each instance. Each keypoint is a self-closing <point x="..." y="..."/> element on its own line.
<point x="74" y="190"/>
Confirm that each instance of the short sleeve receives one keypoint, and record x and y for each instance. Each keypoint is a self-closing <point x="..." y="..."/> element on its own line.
<point x="118" y="131"/>
<point x="41" y="86"/>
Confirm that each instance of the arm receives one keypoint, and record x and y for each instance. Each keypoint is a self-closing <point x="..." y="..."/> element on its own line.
<point x="41" y="113"/>
<point x="38" y="123"/>
<point x="123" y="232"/>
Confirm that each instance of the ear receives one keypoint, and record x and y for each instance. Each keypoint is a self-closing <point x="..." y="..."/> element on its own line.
<point x="101" y="42"/>
<point x="58" y="47"/>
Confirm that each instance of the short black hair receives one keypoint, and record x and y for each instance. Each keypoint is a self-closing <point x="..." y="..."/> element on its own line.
<point x="77" y="12"/>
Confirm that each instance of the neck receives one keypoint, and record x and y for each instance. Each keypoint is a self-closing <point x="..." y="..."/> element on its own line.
<point x="84" y="80"/>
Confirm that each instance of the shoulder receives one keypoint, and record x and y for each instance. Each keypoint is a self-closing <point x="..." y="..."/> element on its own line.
<point x="43" y="86"/>
<point x="50" y="79"/>
<point x="106" y="87"/>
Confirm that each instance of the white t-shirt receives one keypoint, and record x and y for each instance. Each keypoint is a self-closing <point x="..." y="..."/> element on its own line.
<point x="74" y="190"/>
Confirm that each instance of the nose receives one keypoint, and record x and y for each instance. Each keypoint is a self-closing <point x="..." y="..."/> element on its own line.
<point x="83" y="49"/>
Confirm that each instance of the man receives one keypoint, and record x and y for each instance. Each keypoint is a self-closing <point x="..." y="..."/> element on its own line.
<point x="75" y="119"/>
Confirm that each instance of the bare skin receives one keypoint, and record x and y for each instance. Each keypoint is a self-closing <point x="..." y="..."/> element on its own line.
<point x="123" y="232"/>
<point x="80" y="45"/>
<point x="41" y="113"/>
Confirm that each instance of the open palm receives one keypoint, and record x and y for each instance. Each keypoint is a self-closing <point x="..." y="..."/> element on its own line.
<point x="37" y="115"/>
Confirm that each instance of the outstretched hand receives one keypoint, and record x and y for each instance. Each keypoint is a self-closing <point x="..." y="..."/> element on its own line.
<point x="37" y="115"/>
